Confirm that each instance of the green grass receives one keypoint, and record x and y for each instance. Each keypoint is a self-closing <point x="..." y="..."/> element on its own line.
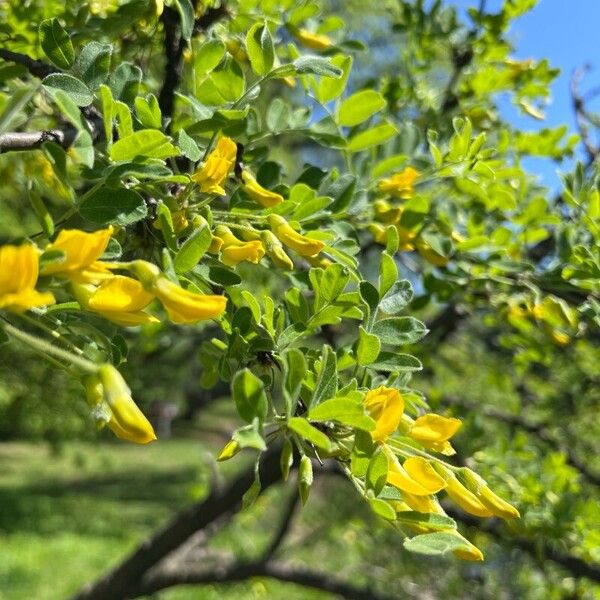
<point x="66" y="518"/>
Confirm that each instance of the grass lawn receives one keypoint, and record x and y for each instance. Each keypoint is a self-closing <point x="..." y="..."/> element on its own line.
<point x="66" y="518"/>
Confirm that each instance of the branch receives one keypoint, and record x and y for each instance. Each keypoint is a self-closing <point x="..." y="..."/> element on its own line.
<point x="174" y="46"/>
<point x="235" y="572"/>
<point x="537" y="429"/>
<point x="34" y="139"/>
<point x="37" y="68"/>
<point x="118" y="583"/>
<point x="581" y="115"/>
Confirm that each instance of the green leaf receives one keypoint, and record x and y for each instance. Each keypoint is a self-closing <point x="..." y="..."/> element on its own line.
<point x="249" y="396"/>
<point x="334" y="280"/>
<point x="252" y="493"/>
<point x="368" y="347"/>
<point x="343" y="410"/>
<point x="359" y="107"/>
<point x="383" y="509"/>
<point x="56" y="43"/>
<point x="330" y="88"/>
<point x="226" y="83"/>
<point x="377" y="472"/>
<point x="150" y="143"/>
<point x="305" y="478"/>
<point x="397" y="297"/>
<point x="70" y="110"/>
<point x="249" y="437"/>
<point x="398" y="331"/>
<point x="295" y="372"/>
<point x="316" y="65"/>
<point x="148" y="111"/>
<point x="388" y="273"/>
<point x="286" y="459"/>
<point x="308" y="432"/>
<point x="187" y="18"/>
<point x="125" y="82"/>
<point x="188" y="146"/>
<point x="431" y="521"/>
<point x="326" y="386"/>
<point x="434" y="544"/>
<point x="93" y="64"/>
<point x="209" y="55"/>
<point x="74" y="88"/>
<point x="259" y="45"/>
<point x="389" y="362"/>
<point x="108" y="112"/>
<point x="41" y="212"/>
<point x="192" y="250"/>
<point x="371" y="137"/>
<point x="14" y="104"/>
<point x="120" y="206"/>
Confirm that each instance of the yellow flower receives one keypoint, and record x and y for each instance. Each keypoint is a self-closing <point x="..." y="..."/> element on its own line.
<point x="127" y="420"/>
<point x="385" y="405"/>
<point x="434" y="430"/>
<point x="400" y="184"/>
<point x="258" y="193"/>
<point x="184" y="306"/>
<point x="19" y="267"/>
<point x="275" y="251"/>
<point x="119" y="299"/>
<point x="303" y="245"/>
<point x="314" y="41"/>
<point x="469" y="551"/>
<point x="487" y="497"/>
<point x="386" y="213"/>
<point x="82" y="251"/>
<point x="420" y="481"/>
<point x="235" y="250"/>
<point x="423" y="504"/>
<point x="460" y="495"/>
<point x="230" y="449"/>
<point x="216" y="167"/>
<point x="179" y="219"/>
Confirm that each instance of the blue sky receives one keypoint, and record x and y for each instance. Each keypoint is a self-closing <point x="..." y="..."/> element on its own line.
<point x="567" y="33"/>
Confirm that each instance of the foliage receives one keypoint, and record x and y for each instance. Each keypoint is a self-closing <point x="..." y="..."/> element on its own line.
<point x="293" y="226"/>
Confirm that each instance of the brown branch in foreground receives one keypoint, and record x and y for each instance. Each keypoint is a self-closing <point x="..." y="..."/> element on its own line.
<point x="37" y="68"/>
<point x="34" y="139"/>
<point x="174" y="45"/>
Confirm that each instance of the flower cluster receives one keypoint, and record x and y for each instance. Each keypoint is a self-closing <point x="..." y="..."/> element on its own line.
<point x="420" y="476"/>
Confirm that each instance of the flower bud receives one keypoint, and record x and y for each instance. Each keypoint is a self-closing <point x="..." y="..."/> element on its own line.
<point x="303" y="245"/>
<point x="275" y="251"/>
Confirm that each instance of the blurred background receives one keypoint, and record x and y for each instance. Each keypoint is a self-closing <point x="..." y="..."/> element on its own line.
<point x="73" y="501"/>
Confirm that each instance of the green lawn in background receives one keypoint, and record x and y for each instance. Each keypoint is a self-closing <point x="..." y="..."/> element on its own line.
<point x="65" y="518"/>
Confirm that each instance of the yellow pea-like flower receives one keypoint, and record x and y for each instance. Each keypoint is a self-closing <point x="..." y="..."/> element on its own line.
<point x="19" y="266"/>
<point x="187" y="307"/>
<point x="460" y="495"/>
<point x="303" y="245"/>
<point x="82" y="251"/>
<point x="314" y="41"/>
<point x="487" y="497"/>
<point x="230" y="449"/>
<point x="385" y="406"/>
<point x="400" y="184"/>
<point x="275" y="251"/>
<point x="422" y="471"/>
<point x="423" y="504"/>
<point x="386" y="213"/>
<point x="127" y="421"/>
<point x="432" y="428"/>
<point x="216" y="168"/>
<point x="401" y="479"/>
<point x="119" y="299"/>
<point x="235" y="250"/>
<point x="258" y="193"/>
<point x="468" y="551"/>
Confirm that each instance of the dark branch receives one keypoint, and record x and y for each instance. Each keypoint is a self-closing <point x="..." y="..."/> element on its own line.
<point x="120" y="581"/>
<point x="235" y="572"/>
<point x="581" y="115"/>
<point x="37" y="68"/>
<point x="34" y="139"/>
<point x="174" y="46"/>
